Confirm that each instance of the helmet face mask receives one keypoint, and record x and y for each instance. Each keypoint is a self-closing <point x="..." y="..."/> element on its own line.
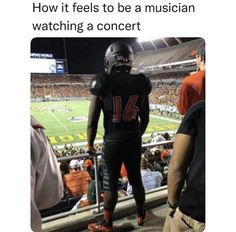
<point x="118" y="56"/>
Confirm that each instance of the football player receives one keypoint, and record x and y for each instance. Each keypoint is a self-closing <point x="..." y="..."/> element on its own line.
<point x="123" y="98"/>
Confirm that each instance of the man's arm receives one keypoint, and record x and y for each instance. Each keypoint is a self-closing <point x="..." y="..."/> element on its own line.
<point x="144" y="114"/>
<point x="178" y="166"/>
<point x="94" y="113"/>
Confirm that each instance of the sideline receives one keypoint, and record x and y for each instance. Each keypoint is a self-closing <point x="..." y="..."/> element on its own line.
<point x="101" y="141"/>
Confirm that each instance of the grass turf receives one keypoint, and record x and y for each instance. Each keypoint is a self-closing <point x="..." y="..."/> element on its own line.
<point x="66" y="121"/>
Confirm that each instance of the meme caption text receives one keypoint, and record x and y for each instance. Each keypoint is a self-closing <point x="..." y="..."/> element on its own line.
<point x="102" y="8"/>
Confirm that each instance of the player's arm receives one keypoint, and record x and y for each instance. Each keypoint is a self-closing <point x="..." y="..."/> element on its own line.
<point x="144" y="114"/>
<point x="178" y="166"/>
<point x="93" y="117"/>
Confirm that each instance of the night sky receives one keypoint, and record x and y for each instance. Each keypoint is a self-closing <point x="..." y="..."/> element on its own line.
<point x="84" y="55"/>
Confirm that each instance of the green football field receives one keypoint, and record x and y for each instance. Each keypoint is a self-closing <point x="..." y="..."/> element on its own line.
<point x="66" y="121"/>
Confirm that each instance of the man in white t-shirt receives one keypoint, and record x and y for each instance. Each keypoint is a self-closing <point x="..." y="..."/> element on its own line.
<point x="46" y="182"/>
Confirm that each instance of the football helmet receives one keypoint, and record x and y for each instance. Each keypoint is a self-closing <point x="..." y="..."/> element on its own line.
<point x="118" y="56"/>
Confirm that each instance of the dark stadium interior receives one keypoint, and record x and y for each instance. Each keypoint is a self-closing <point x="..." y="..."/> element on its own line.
<point x="85" y="55"/>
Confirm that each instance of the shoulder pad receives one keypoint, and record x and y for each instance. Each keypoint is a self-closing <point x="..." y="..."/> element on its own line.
<point x="98" y="85"/>
<point x="146" y="84"/>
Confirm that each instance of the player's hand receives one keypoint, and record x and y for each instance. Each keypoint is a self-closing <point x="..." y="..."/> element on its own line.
<point x="91" y="150"/>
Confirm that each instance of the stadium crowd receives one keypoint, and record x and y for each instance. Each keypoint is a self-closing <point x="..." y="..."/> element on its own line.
<point x="42" y="78"/>
<point x="50" y="87"/>
<point x="59" y="91"/>
<point x="164" y="95"/>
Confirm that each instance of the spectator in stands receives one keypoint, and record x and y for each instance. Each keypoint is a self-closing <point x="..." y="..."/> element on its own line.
<point x="88" y="166"/>
<point x="166" y="136"/>
<point x="165" y="154"/>
<point x="76" y="181"/>
<point x="123" y="180"/>
<point x="188" y="165"/>
<point x="64" y="168"/>
<point x="157" y="138"/>
<point x="150" y="179"/>
<point x="92" y="192"/>
<point x="123" y="172"/>
<point x="192" y="89"/>
<point x="46" y="182"/>
<point x="156" y="161"/>
<point x="100" y="170"/>
<point x="147" y="154"/>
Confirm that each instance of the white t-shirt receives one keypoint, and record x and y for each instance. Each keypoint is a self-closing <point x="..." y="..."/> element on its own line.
<point x="150" y="180"/>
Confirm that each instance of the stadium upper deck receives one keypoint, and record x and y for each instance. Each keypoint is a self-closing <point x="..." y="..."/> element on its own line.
<point x="178" y="56"/>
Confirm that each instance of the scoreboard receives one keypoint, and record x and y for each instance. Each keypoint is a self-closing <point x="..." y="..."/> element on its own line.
<point x="45" y="63"/>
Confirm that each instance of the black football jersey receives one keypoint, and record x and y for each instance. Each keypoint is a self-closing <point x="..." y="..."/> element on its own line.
<point x="122" y="95"/>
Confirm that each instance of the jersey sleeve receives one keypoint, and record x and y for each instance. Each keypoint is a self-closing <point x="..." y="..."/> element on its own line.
<point x="146" y="85"/>
<point x="98" y="85"/>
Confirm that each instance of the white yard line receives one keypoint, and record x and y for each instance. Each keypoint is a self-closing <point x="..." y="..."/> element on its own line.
<point x="61" y="124"/>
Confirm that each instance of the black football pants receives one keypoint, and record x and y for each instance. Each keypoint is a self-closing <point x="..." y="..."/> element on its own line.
<point x="128" y="152"/>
